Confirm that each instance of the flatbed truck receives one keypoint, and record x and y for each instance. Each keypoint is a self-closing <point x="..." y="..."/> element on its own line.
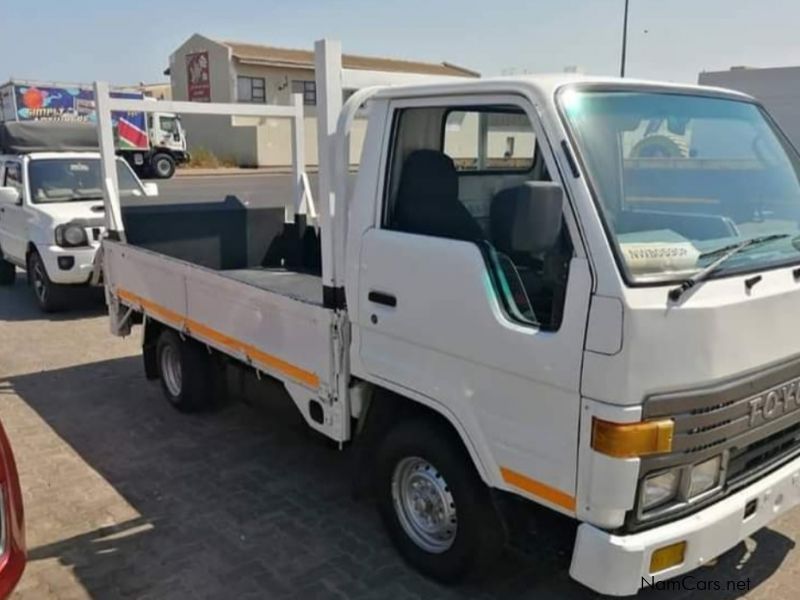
<point x="608" y="335"/>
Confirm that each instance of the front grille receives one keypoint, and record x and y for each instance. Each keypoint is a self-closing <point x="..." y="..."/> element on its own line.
<point x="754" y="420"/>
<point x="746" y="463"/>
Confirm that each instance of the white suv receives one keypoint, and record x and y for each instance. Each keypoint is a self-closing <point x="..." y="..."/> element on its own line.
<point x="52" y="219"/>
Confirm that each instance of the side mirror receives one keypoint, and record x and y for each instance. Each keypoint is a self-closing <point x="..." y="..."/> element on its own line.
<point x="10" y="196"/>
<point x="150" y="188"/>
<point x="527" y="218"/>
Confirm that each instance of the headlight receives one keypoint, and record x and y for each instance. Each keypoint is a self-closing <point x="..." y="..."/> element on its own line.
<point x="71" y="235"/>
<point x="660" y="488"/>
<point x="705" y="476"/>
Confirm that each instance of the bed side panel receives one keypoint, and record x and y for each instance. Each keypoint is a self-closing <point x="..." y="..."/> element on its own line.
<point x="284" y="337"/>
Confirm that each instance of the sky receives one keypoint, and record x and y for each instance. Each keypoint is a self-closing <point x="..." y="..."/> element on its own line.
<point x="130" y="42"/>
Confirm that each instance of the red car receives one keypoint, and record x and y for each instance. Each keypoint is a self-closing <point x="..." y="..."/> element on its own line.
<point x="12" y="531"/>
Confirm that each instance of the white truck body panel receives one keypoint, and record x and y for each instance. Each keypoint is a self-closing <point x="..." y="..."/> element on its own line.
<point x="285" y="338"/>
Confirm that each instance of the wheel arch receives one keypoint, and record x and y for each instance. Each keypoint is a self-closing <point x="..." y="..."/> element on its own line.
<point x="151" y="331"/>
<point x="31" y="248"/>
<point x="386" y="407"/>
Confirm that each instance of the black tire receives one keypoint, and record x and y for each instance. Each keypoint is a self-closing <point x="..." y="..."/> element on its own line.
<point x="50" y="296"/>
<point x="8" y="272"/>
<point x="194" y="387"/>
<point x="163" y="166"/>
<point x="478" y="532"/>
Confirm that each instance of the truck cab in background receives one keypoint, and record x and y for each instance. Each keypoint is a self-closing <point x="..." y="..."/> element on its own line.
<point x="167" y="148"/>
<point x="153" y="146"/>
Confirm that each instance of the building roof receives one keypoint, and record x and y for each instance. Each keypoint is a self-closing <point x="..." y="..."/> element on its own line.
<point x="304" y="59"/>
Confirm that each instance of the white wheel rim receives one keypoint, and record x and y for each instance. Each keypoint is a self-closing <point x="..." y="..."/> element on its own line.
<point x="171" y="370"/>
<point x="163" y="166"/>
<point x="424" y="505"/>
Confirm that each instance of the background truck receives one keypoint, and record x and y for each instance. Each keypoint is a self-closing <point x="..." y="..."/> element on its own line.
<point x="152" y="143"/>
<point x="606" y="334"/>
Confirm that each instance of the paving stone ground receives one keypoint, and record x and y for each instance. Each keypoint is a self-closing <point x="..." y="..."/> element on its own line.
<point x="125" y="498"/>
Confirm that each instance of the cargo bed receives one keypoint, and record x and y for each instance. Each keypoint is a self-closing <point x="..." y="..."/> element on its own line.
<point x="271" y="319"/>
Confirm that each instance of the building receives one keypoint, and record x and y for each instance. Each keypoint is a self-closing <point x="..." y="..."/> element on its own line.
<point x="159" y="91"/>
<point x="778" y="89"/>
<point x="206" y="70"/>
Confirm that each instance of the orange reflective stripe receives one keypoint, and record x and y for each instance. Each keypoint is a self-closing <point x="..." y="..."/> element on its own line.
<point x="537" y="488"/>
<point x="154" y="308"/>
<point x="273" y="362"/>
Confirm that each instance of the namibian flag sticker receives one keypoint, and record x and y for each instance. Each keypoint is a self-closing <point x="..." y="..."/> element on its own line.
<point x="130" y="136"/>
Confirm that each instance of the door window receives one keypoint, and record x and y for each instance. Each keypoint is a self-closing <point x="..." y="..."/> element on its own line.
<point x="491" y="149"/>
<point x="489" y="140"/>
<point x="168" y="124"/>
<point x="13" y="176"/>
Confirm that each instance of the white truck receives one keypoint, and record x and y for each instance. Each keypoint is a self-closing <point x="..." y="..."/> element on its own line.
<point x="152" y="143"/>
<point x="611" y="336"/>
<point x="51" y="206"/>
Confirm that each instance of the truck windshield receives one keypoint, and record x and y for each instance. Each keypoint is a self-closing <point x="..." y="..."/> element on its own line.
<point x="679" y="177"/>
<point x="75" y="179"/>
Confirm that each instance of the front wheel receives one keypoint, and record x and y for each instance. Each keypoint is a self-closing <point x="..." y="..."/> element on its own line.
<point x="163" y="166"/>
<point x="438" y="512"/>
<point x="49" y="295"/>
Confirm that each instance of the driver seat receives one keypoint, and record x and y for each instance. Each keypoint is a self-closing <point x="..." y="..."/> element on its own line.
<point x="427" y="199"/>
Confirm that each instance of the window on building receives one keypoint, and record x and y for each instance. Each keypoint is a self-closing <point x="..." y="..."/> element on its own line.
<point x="251" y="89"/>
<point x="308" y="89"/>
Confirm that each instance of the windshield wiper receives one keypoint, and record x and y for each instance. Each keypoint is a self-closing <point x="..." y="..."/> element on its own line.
<point x="724" y="254"/>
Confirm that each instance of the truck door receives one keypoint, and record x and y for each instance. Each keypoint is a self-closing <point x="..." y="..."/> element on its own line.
<point x="13" y="224"/>
<point x="459" y="310"/>
<point x="166" y="131"/>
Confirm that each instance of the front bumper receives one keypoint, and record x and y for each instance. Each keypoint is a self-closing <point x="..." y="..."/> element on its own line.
<point x="617" y="564"/>
<point x="78" y="274"/>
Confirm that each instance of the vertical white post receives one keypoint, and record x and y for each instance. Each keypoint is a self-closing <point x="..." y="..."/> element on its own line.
<point x="483" y="140"/>
<point x="108" y="162"/>
<point x="328" y="65"/>
<point x="298" y="160"/>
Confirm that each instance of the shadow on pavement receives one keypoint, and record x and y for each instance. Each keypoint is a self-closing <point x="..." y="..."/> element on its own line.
<point x="17" y="303"/>
<point x="247" y="502"/>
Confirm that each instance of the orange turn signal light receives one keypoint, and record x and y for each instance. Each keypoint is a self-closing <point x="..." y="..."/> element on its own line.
<point x="629" y="440"/>
<point x="667" y="557"/>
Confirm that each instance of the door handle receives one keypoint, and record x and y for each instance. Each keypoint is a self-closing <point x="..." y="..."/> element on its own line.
<point x="382" y="298"/>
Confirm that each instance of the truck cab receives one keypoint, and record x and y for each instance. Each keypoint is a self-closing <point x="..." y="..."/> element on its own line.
<point x="167" y="142"/>
<point x="51" y="219"/>
<point x="629" y="360"/>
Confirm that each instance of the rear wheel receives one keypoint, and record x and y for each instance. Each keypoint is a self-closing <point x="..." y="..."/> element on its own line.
<point x="188" y="375"/>
<point x="438" y="512"/>
<point x="50" y="296"/>
<point x="8" y="272"/>
<point x="163" y="166"/>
